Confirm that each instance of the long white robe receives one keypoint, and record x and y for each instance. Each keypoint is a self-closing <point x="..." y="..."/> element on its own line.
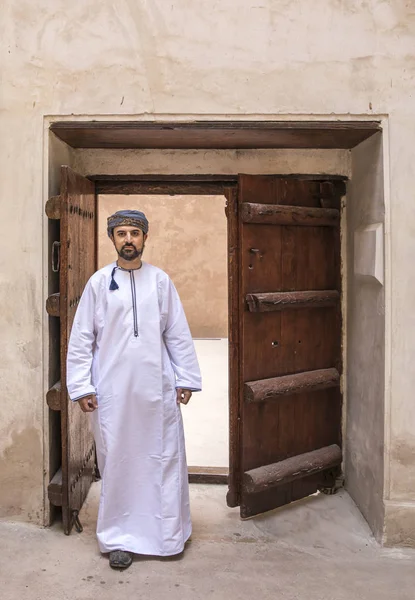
<point x="134" y="360"/>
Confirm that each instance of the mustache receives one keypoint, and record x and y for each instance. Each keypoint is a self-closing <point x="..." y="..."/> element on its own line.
<point x="138" y="250"/>
<point x="129" y="246"/>
<point x="132" y="246"/>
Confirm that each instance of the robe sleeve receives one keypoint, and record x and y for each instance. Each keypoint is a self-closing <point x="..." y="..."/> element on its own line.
<point x="179" y="343"/>
<point x="80" y="348"/>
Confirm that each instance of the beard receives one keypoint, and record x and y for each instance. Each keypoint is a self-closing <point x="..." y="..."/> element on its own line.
<point x="130" y="252"/>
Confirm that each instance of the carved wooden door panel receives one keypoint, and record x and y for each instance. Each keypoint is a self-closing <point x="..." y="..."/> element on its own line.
<point x="285" y="433"/>
<point x="75" y="207"/>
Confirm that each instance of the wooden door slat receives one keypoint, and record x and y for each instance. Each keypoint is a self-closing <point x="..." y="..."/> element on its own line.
<point x="55" y="489"/>
<point x="53" y="396"/>
<point x="288" y="385"/>
<point x="273" y="214"/>
<point x="53" y="207"/>
<point x="53" y="305"/>
<point x="77" y="264"/>
<point x="296" y="467"/>
<point x="271" y="301"/>
<point x="234" y="310"/>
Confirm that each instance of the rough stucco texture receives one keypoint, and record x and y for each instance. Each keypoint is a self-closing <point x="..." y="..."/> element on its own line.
<point x="185" y="60"/>
<point x="187" y="239"/>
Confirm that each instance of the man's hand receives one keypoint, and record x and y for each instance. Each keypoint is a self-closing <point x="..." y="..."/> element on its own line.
<point x="88" y="403"/>
<point x="183" y="396"/>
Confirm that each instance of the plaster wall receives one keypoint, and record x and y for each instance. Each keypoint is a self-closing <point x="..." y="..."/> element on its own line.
<point x="182" y="61"/>
<point x="365" y="417"/>
<point x="188" y="240"/>
<point x="23" y="415"/>
<point x="216" y="162"/>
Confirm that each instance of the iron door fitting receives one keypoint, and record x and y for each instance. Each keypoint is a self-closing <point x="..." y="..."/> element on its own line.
<point x="56" y="257"/>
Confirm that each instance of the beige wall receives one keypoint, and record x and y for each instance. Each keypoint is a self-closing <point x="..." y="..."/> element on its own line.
<point x="187" y="60"/>
<point x="188" y="240"/>
<point x="365" y="411"/>
<point x="217" y="162"/>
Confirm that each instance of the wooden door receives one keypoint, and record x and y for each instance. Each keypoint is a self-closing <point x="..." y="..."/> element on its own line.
<point x="285" y="339"/>
<point x="75" y="207"/>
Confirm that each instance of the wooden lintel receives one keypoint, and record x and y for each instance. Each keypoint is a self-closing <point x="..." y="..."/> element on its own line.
<point x="296" y="467"/>
<point x="208" y="475"/>
<point x="53" y="397"/>
<point x="279" y="214"/>
<point x="55" y="489"/>
<point x="214" y="134"/>
<point x="53" y="305"/>
<point x="209" y="188"/>
<point x="267" y="302"/>
<point x="288" y="385"/>
<point x="53" y="207"/>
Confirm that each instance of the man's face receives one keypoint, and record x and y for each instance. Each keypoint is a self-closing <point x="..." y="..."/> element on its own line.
<point x="129" y="241"/>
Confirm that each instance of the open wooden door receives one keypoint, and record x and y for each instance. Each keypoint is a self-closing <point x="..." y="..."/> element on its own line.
<point x="285" y="339"/>
<point x="75" y="257"/>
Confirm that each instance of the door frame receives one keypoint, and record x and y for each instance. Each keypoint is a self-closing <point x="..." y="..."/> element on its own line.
<point x="195" y="185"/>
<point x="57" y="151"/>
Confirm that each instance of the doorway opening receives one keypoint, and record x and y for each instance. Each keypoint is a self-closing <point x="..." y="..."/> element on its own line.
<point x="188" y="240"/>
<point x="275" y="152"/>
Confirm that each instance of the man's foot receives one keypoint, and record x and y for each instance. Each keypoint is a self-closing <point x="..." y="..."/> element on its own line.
<point x="119" y="559"/>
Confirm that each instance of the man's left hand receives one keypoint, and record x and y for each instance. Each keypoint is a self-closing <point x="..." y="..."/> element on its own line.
<point x="183" y="396"/>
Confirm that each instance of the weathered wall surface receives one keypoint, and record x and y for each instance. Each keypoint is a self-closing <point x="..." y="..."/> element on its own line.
<point x="217" y="162"/>
<point x="188" y="240"/>
<point x="195" y="60"/>
<point x="364" y="460"/>
<point x="23" y="414"/>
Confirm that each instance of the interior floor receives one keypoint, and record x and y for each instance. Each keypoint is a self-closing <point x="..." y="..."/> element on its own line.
<point x="206" y="416"/>
<point x="319" y="548"/>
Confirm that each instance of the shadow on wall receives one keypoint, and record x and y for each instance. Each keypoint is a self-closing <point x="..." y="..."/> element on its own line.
<point x="188" y="240"/>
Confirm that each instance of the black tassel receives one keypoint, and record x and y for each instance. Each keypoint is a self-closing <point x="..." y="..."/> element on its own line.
<point x="113" y="285"/>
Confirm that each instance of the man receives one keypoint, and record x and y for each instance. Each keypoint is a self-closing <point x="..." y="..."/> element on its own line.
<point x="131" y="362"/>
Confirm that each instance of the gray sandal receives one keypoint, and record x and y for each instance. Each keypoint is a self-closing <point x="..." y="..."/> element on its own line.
<point x="120" y="559"/>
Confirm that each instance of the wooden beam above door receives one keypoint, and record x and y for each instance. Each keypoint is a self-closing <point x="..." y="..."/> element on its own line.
<point x="202" y="184"/>
<point x="163" y="184"/>
<point x="214" y="134"/>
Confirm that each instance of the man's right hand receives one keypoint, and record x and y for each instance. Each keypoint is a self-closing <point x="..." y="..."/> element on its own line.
<point x="88" y="403"/>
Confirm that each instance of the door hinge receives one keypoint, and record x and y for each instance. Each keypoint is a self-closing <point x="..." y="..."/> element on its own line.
<point x="56" y="257"/>
<point x="334" y="488"/>
<point x="77" y="523"/>
<point x="96" y="475"/>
